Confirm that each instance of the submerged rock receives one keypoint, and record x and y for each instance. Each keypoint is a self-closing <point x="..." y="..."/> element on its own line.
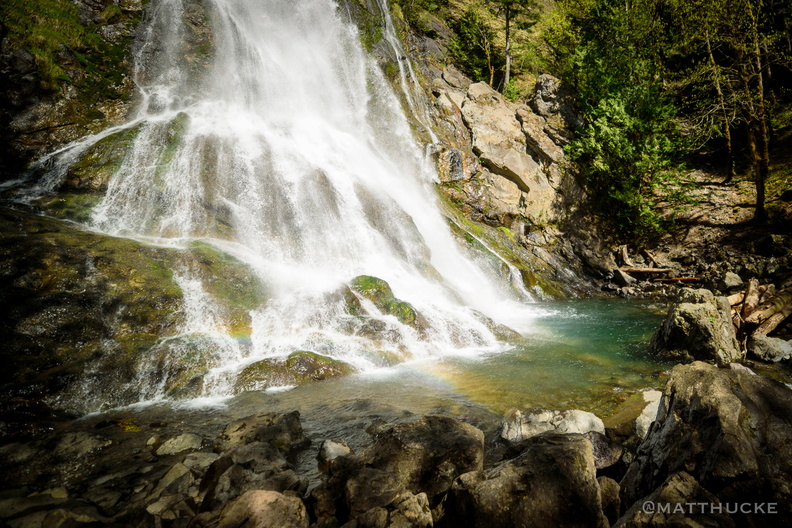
<point x="697" y="327"/>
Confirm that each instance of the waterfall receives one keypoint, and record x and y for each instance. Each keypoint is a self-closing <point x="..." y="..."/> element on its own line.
<point x="290" y="152"/>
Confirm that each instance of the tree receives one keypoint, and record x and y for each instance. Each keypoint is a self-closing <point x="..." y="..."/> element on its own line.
<point x="473" y="45"/>
<point x="512" y="10"/>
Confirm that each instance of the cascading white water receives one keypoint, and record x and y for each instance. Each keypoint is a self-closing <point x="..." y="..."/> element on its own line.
<point x="292" y="154"/>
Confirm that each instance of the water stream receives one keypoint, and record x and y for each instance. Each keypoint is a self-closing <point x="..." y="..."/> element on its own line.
<point x="291" y="153"/>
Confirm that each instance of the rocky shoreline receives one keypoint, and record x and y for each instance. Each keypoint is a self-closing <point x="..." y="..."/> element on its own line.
<point x="718" y="441"/>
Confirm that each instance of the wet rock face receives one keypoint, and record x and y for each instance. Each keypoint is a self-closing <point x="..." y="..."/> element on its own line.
<point x="551" y="483"/>
<point x="729" y="430"/>
<point x="697" y="327"/>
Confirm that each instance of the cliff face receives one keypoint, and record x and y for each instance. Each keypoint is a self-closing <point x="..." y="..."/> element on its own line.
<point x="501" y="163"/>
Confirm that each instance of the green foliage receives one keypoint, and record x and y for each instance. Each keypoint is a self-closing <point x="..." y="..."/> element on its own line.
<point x="45" y="27"/>
<point x="629" y="149"/>
<point x="473" y="45"/>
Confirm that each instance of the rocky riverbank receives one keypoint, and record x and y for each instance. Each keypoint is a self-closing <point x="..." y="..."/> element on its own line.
<point x="715" y="454"/>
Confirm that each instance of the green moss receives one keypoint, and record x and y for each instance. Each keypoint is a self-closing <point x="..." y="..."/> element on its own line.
<point x="298" y="368"/>
<point x="231" y="284"/>
<point x="379" y="292"/>
<point x="93" y="171"/>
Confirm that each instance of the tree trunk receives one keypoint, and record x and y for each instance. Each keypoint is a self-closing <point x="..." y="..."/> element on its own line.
<point x="777" y="303"/>
<point x="507" y="71"/>
<point x="774" y="320"/>
<point x="724" y="113"/>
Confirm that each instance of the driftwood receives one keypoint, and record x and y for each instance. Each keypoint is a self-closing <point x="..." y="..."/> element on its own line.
<point x="751" y="298"/>
<point x="736" y="298"/>
<point x="677" y="279"/>
<point x="769" y="291"/>
<point x="774" y="305"/>
<point x="625" y="258"/>
<point x="633" y="269"/>
<point x="651" y="257"/>
<point x="772" y="322"/>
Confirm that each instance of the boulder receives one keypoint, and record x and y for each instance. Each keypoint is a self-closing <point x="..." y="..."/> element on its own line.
<point x="283" y="431"/>
<point x="611" y="502"/>
<point x="553" y="102"/>
<point x="698" y="327"/>
<point x="516" y="426"/>
<point x="729" y="430"/>
<point x="772" y="349"/>
<point x="263" y="509"/>
<point x="329" y="451"/>
<point x="649" y="413"/>
<point x="537" y="140"/>
<point x="551" y="483"/>
<point x="179" y="444"/>
<point x="249" y="467"/>
<point x="730" y="282"/>
<point x="428" y="454"/>
<point x="679" y="501"/>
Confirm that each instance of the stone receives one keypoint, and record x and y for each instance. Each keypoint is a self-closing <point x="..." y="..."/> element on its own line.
<point x="179" y="444"/>
<point x="371" y="488"/>
<point x="411" y="511"/>
<point x="500" y="143"/>
<point x="697" y="331"/>
<point x="622" y="278"/>
<point x="730" y="282"/>
<point x="771" y="349"/>
<point x="606" y="453"/>
<point x="649" y="413"/>
<point x="679" y="501"/>
<point x="329" y="451"/>
<point x="728" y="429"/>
<point x="75" y="445"/>
<point x="611" y="502"/>
<point x="428" y="454"/>
<point x="552" y="100"/>
<point x="264" y="509"/>
<point x="533" y="126"/>
<point x="551" y="483"/>
<point x="455" y="78"/>
<point x="256" y="465"/>
<point x="516" y="426"/>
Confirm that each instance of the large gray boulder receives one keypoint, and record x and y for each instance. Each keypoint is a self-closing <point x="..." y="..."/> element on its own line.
<point x="730" y="430"/>
<point x="679" y="501"/>
<point x="772" y="349"/>
<point x="552" y="483"/>
<point x="517" y="425"/>
<point x="698" y="327"/>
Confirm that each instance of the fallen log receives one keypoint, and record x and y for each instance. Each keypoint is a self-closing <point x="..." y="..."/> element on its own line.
<point x="633" y="269"/>
<point x="769" y="291"/>
<point x="774" y="320"/>
<point x="751" y="298"/>
<point x="677" y="279"/>
<point x="766" y="310"/>
<point x="651" y="257"/>
<point x="736" y="298"/>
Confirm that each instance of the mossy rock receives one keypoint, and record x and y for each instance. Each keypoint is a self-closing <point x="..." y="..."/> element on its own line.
<point x="501" y="332"/>
<point x="76" y="297"/>
<point x="71" y="206"/>
<point x="231" y="283"/>
<point x="379" y="292"/>
<point x="298" y="368"/>
<point x="97" y="165"/>
<point x="179" y="364"/>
